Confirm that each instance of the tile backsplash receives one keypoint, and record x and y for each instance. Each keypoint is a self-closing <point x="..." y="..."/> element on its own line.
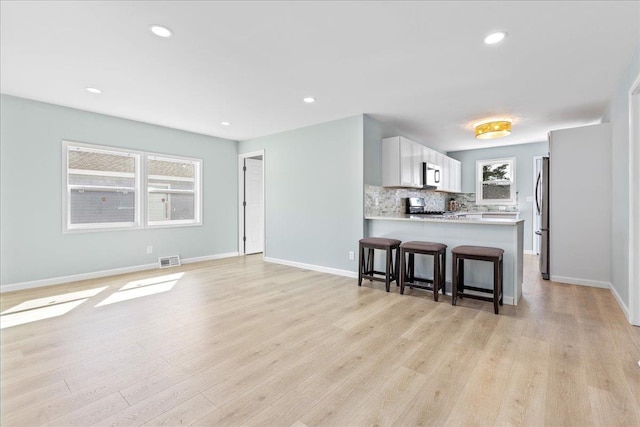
<point x="467" y="203"/>
<point x="390" y="201"/>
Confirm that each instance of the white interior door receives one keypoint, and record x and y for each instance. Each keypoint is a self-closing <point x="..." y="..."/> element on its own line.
<point x="254" y="207"/>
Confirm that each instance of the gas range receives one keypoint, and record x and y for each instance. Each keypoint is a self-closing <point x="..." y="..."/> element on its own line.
<point x="417" y="206"/>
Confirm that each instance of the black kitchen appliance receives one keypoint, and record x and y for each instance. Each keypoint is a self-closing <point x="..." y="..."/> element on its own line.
<point x="417" y="206"/>
<point x="542" y="207"/>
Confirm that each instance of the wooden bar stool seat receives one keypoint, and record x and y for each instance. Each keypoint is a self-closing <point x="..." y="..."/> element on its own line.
<point x="477" y="253"/>
<point x="407" y="274"/>
<point x="366" y="267"/>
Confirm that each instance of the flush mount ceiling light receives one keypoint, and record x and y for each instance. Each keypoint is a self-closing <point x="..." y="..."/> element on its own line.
<point x="160" y="31"/>
<point x="225" y="123"/>
<point x="494" y="38"/>
<point x="309" y="100"/>
<point x="493" y="129"/>
<point x="93" y="90"/>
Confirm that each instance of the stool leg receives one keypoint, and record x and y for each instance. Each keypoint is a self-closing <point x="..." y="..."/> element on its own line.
<point x="436" y="276"/>
<point x="412" y="259"/>
<point x="496" y="285"/>
<point x="443" y="267"/>
<point x="370" y="263"/>
<point x="360" y="263"/>
<point x="454" y="279"/>
<point x="403" y="271"/>
<point x="461" y="276"/>
<point x="501" y="282"/>
<point x="397" y="266"/>
<point x="387" y="271"/>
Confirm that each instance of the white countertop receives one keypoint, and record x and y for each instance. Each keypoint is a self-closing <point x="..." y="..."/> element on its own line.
<point x="450" y="219"/>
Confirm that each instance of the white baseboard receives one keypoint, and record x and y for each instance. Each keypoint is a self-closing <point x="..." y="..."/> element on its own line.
<point x="621" y="303"/>
<point x="103" y="273"/>
<point x="582" y="282"/>
<point x="209" y="257"/>
<point x="313" y="267"/>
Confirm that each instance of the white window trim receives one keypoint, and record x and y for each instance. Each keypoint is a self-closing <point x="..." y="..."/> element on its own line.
<point x="67" y="227"/>
<point x="197" y="190"/>
<point x="512" y="195"/>
<point x="141" y="216"/>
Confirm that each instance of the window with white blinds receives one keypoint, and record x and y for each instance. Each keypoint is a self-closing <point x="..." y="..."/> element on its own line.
<point x="104" y="189"/>
<point x="173" y="190"/>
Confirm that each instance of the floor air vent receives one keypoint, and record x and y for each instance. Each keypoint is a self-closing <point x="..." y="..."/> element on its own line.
<point x="169" y="261"/>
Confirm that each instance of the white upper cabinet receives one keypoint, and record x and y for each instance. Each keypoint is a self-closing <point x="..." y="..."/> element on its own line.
<point x="456" y="173"/>
<point x="402" y="161"/>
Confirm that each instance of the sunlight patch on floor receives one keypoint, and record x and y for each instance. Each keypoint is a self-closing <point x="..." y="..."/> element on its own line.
<point x="54" y="299"/>
<point x="32" y="315"/>
<point x="142" y="291"/>
<point x="152" y="281"/>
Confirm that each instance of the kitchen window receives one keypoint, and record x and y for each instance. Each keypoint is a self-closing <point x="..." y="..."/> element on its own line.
<point x="108" y="188"/>
<point x="173" y="190"/>
<point x="496" y="181"/>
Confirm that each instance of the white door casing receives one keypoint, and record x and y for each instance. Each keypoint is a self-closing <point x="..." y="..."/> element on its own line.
<point x="242" y="184"/>
<point x="634" y="203"/>
<point x="254" y="208"/>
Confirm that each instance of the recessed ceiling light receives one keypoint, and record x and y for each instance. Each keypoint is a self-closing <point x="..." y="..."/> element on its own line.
<point x="93" y="90"/>
<point x="225" y="123"/>
<point x="160" y="31"/>
<point x="495" y="37"/>
<point x="309" y="100"/>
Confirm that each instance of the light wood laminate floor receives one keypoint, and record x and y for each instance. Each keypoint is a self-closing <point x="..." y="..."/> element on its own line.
<point x="243" y="342"/>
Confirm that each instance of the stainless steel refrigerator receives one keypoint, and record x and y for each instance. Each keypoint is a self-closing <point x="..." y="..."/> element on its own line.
<point x="542" y="206"/>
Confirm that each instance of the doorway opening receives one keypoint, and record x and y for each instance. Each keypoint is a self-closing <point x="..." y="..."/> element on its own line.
<point x="251" y="212"/>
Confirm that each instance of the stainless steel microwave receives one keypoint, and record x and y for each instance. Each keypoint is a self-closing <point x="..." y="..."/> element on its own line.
<point x="431" y="176"/>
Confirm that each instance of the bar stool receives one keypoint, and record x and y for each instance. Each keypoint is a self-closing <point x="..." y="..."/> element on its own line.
<point x="478" y="253"/>
<point x="366" y="271"/>
<point x="407" y="274"/>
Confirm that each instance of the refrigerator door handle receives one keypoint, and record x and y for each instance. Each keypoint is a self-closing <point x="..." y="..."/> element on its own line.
<point x="537" y="193"/>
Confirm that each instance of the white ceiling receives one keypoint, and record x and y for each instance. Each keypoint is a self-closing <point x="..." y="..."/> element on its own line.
<point x="421" y="67"/>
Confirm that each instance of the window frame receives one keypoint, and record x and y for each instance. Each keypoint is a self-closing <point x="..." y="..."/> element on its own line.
<point x="67" y="227"/>
<point x="141" y="189"/>
<point x="197" y="192"/>
<point x="512" y="187"/>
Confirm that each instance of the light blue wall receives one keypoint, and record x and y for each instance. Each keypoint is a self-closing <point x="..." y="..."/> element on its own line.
<point x="314" y="192"/>
<point x="618" y="116"/>
<point x="524" y="154"/>
<point x="373" y="131"/>
<point x="31" y="240"/>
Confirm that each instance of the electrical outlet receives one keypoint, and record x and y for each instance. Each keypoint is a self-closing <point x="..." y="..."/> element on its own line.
<point x="376" y="201"/>
<point x="149" y="249"/>
<point x="352" y="256"/>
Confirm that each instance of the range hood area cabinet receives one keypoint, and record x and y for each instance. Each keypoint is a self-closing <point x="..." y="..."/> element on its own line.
<point x="402" y="161"/>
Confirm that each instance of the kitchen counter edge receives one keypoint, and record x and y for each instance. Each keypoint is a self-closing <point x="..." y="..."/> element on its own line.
<point x="448" y="220"/>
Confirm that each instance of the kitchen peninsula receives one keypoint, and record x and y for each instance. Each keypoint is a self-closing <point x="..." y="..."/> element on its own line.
<point x="455" y="230"/>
